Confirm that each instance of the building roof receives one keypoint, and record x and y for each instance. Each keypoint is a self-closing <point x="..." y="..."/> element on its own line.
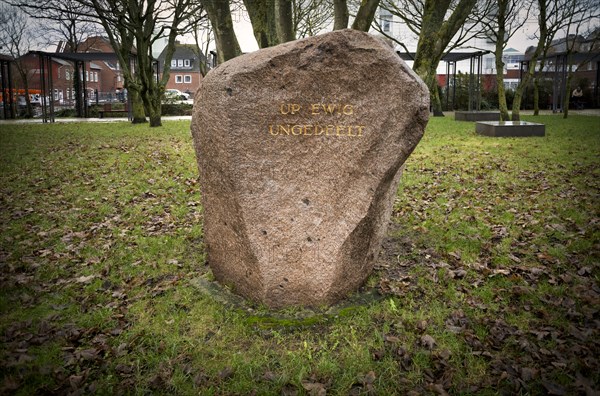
<point x="62" y="62"/>
<point x="79" y="56"/>
<point x="449" y="57"/>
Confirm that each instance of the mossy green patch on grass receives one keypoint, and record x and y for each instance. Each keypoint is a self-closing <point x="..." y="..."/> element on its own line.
<point x="488" y="281"/>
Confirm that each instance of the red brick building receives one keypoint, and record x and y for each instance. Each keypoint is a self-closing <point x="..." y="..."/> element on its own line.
<point x="185" y="68"/>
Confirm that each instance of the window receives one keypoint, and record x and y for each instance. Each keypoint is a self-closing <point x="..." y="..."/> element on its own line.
<point x="179" y="62"/>
<point x="385" y="20"/>
<point x="118" y="77"/>
<point x="186" y="63"/>
<point x="178" y="79"/>
<point x="67" y="74"/>
<point x="174" y="63"/>
<point x="87" y="78"/>
<point x="187" y="79"/>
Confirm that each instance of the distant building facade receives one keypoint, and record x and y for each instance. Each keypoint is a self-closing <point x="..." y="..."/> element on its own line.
<point x="185" y="74"/>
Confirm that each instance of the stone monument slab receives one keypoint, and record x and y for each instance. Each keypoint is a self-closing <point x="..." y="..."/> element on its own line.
<point x="300" y="149"/>
<point x="510" y="128"/>
<point x="476" y="116"/>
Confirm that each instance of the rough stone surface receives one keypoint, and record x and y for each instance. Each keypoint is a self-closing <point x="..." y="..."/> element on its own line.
<point x="300" y="149"/>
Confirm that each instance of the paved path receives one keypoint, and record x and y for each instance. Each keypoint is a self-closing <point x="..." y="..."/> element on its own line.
<point x="71" y="120"/>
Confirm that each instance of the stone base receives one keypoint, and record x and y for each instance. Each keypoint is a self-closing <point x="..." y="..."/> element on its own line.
<point x="477" y="116"/>
<point x="510" y="128"/>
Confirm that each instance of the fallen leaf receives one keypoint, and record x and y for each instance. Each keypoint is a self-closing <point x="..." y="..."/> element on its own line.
<point x="553" y="389"/>
<point x="289" y="390"/>
<point x="85" y="279"/>
<point x="226" y="373"/>
<point x="369" y="378"/>
<point x="314" y="388"/>
<point x="437" y="388"/>
<point x="269" y="376"/>
<point x="427" y="341"/>
<point x="392" y="339"/>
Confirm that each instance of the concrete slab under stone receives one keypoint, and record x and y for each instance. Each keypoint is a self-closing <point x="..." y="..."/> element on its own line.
<point x="477" y="116"/>
<point x="285" y="318"/>
<point x="510" y="128"/>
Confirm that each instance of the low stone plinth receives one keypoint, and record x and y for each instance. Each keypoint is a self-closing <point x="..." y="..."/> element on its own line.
<point x="477" y="116"/>
<point x="510" y="128"/>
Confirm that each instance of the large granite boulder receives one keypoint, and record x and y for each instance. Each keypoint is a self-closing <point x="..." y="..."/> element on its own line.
<point x="300" y="149"/>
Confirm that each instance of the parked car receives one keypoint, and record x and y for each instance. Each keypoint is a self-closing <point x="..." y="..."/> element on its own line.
<point x="175" y="94"/>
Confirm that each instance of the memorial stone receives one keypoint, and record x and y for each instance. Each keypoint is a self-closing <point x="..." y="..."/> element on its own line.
<point x="300" y="149"/>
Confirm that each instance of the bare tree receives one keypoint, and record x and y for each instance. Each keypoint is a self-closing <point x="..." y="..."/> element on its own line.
<point x="567" y="15"/>
<point x="263" y="18"/>
<point x="341" y="14"/>
<point x="203" y="36"/>
<point x="283" y="16"/>
<point x="440" y="26"/>
<point x="311" y="16"/>
<point x="365" y="15"/>
<point x="580" y="15"/>
<point x="66" y="21"/>
<point x="16" y="38"/>
<point x="554" y="22"/>
<point x="507" y="17"/>
<point x="219" y="15"/>
<point x="279" y="21"/>
<point x="307" y="17"/>
<point x="130" y="22"/>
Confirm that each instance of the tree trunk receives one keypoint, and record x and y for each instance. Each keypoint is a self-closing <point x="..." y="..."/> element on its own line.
<point x="500" y="43"/>
<point x="341" y="14"/>
<point x="137" y="105"/>
<point x="284" y="22"/>
<point x="435" y="35"/>
<point x="567" y="97"/>
<point x="24" y="78"/>
<point x="78" y="86"/>
<point x="436" y="102"/>
<point x="220" y="19"/>
<point x="152" y="91"/>
<point x="536" y="85"/>
<point x="262" y="17"/>
<point x="154" y="112"/>
<point x="516" y="108"/>
<point x="536" y="95"/>
<point x="502" y="105"/>
<point x="427" y="70"/>
<point x="28" y="106"/>
<point x="365" y="15"/>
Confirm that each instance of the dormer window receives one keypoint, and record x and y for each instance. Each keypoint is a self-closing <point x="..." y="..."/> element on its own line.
<point x="179" y="62"/>
<point x="174" y="63"/>
<point x="186" y="63"/>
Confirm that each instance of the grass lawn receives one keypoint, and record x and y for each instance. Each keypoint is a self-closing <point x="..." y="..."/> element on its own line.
<point x="489" y="279"/>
